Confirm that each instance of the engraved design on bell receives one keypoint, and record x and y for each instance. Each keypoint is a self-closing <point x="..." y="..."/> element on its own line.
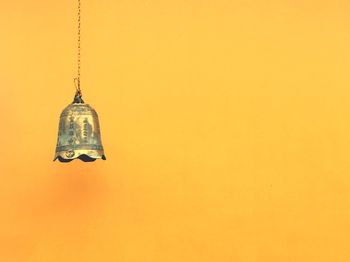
<point x="79" y="134"/>
<point x="70" y="153"/>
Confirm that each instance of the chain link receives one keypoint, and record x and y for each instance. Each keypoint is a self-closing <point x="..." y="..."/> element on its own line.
<point x="79" y="50"/>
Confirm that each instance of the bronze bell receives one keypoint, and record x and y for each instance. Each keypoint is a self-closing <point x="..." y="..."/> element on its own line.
<point x="79" y="133"/>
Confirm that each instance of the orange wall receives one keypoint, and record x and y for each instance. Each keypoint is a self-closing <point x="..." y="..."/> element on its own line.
<point x="226" y="126"/>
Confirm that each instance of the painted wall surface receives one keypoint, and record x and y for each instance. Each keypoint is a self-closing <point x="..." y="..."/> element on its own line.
<point x="226" y="126"/>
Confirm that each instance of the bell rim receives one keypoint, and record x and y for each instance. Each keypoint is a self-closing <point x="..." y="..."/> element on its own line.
<point x="82" y="157"/>
<point x="90" y="156"/>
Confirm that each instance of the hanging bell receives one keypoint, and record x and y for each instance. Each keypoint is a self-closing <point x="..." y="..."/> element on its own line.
<point x="79" y="133"/>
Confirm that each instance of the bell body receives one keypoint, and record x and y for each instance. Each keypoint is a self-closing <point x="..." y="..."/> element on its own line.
<point x="79" y="134"/>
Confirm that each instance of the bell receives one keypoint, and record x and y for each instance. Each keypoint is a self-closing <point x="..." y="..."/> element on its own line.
<point x="79" y="133"/>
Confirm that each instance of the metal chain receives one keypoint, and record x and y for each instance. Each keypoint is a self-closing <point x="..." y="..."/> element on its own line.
<point x="77" y="80"/>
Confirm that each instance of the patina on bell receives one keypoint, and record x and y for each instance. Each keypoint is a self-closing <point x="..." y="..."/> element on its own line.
<point x="79" y="133"/>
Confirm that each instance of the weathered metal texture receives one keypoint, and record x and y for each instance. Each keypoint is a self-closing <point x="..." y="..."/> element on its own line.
<point x="79" y="134"/>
